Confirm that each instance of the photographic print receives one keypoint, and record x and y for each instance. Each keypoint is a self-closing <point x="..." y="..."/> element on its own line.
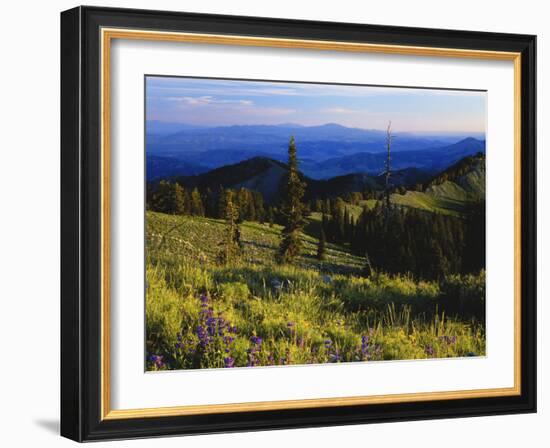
<point x="252" y="201"/>
<point x="297" y="223"/>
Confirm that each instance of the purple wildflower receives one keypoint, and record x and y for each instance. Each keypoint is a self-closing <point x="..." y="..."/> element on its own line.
<point x="449" y="340"/>
<point x="202" y="334"/>
<point x="206" y="313"/>
<point x="228" y="362"/>
<point x="211" y="326"/>
<point x="335" y="356"/>
<point x="257" y="341"/>
<point x="157" y="361"/>
<point x="365" y="348"/>
<point x="222" y="325"/>
<point x="253" y="350"/>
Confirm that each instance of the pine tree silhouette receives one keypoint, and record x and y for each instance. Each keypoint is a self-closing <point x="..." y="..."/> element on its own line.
<point x="292" y="209"/>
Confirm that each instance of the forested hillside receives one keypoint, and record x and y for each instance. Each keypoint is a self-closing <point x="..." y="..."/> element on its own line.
<point x="433" y="229"/>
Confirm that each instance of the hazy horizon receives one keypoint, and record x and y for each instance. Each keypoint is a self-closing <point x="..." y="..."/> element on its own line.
<point x="288" y="124"/>
<point x="221" y="103"/>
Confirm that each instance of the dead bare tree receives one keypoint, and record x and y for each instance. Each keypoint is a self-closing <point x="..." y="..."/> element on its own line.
<point x="387" y="171"/>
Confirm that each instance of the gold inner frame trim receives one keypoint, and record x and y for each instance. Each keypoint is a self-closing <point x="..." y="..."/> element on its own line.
<point x="107" y="35"/>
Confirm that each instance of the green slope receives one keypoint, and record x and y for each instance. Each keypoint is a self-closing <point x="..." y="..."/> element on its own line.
<point x="196" y="238"/>
<point x="451" y="192"/>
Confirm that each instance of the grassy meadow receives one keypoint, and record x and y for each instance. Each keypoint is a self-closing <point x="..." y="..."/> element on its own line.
<point x="257" y="312"/>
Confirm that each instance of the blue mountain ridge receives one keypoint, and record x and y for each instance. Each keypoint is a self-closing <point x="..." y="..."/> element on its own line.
<point x="219" y="146"/>
<point x="332" y="150"/>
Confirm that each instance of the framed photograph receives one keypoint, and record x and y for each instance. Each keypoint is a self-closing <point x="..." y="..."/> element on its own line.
<point x="276" y="224"/>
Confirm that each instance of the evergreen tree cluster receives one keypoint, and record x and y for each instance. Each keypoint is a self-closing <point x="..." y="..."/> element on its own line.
<point x="424" y="244"/>
<point x="172" y="198"/>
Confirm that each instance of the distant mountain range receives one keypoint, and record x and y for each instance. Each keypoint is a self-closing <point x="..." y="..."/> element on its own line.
<point x="266" y="175"/>
<point x="325" y="151"/>
<point x="430" y="160"/>
<point x="162" y="167"/>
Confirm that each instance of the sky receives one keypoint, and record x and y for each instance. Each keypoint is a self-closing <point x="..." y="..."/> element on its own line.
<point x="210" y="102"/>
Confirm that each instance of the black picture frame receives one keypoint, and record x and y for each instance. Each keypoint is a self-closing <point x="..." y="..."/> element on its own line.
<point x="81" y="224"/>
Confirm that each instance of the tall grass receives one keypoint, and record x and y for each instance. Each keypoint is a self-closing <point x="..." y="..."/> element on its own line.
<point x="255" y="312"/>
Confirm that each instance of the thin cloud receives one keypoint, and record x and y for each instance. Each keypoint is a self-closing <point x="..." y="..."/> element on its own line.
<point x="207" y="99"/>
<point x="340" y="110"/>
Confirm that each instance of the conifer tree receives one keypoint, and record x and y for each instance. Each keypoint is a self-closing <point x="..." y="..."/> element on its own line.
<point x="321" y="249"/>
<point x="259" y="206"/>
<point x="242" y="203"/>
<point x="328" y="207"/>
<point x="339" y="211"/>
<point x="163" y="198"/>
<point x="231" y="242"/>
<point x="210" y="204"/>
<point x="251" y="214"/>
<point x="187" y="202"/>
<point x="346" y="225"/>
<point x="197" y="207"/>
<point x="351" y="230"/>
<point x="292" y="209"/>
<point x="270" y="216"/>
<point x="325" y="224"/>
<point x="179" y="199"/>
<point x="440" y="264"/>
<point x="222" y="195"/>
<point x="318" y="205"/>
